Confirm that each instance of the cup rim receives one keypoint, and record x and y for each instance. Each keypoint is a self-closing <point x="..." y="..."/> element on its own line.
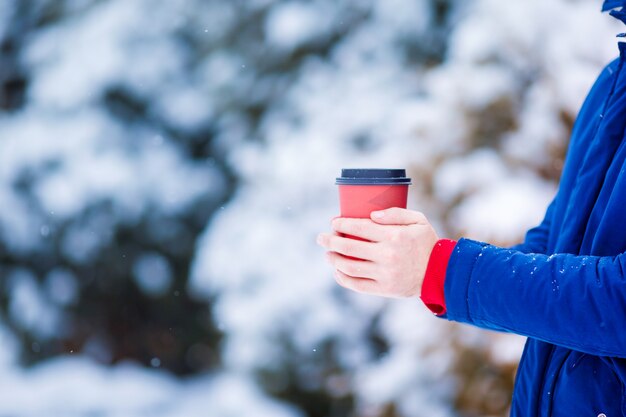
<point x="373" y="176"/>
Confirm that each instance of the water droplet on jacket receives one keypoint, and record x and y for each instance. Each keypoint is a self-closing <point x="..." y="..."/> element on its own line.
<point x="155" y="362"/>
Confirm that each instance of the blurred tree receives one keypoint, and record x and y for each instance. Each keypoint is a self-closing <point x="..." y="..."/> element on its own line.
<point x="111" y="317"/>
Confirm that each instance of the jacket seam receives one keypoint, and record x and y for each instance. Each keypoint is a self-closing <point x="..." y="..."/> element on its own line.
<point x="469" y="284"/>
<point x="623" y="385"/>
<point x="594" y="137"/>
<point x="556" y="380"/>
<point x="543" y="380"/>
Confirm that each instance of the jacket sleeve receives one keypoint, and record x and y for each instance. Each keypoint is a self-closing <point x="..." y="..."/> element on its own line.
<point x="537" y="238"/>
<point x="578" y="302"/>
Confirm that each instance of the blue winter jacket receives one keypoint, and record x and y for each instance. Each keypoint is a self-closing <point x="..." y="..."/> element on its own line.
<point x="565" y="286"/>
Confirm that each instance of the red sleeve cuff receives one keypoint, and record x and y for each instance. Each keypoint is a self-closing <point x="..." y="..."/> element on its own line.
<point x="433" y="286"/>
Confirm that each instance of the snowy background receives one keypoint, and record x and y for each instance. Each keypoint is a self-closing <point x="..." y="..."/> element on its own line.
<point x="165" y="167"/>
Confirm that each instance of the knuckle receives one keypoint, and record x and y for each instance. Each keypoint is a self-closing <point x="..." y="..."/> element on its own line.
<point x="411" y="235"/>
<point x="350" y="269"/>
<point x="356" y="228"/>
<point x="396" y="235"/>
<point x="404" y="233"/>
<point x="342" y="244"/>
<point x="347" y="247"/>
<point x="385" y="233"/>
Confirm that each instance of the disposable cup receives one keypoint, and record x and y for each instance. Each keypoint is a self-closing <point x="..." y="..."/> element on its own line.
<point x="364" y="190"/>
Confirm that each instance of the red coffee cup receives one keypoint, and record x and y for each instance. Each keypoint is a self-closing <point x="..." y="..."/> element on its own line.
<point x="362" y="191"/>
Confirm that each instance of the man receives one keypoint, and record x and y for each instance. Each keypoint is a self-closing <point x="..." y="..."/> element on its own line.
<point x="564" y="287"/>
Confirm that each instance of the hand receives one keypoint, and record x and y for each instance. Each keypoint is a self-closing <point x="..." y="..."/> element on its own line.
<point x="391" y="260"/>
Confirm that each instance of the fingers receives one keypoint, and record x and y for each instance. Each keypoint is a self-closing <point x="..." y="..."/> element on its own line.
<point x="361" y="285"/>
<point x="362" y="228"/>
<point x="348" y="247"/>
<point x="352" y="267"/>
<point x="398" y="216"/>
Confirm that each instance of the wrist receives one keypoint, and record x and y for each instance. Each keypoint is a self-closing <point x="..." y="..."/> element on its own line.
<point x="432" y="293"/>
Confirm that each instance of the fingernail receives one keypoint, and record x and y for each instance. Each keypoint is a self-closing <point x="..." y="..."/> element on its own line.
<point x="378" y="214"/>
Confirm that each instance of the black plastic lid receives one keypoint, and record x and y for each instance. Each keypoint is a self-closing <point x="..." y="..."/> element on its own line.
<point x="373" y="176"/>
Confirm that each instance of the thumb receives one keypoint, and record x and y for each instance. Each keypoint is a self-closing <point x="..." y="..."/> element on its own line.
<point x="398" y="216"/>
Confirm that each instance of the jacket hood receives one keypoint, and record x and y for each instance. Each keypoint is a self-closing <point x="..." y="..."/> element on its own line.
<point x="613" y="6"/>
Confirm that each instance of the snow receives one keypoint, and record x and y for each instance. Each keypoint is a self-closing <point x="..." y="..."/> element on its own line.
<point x="476" y="132"/>
<point x="6" y="11"/>
<point x="185" y="107"/>
<point x="10" y="349"/>
<point x="28" y="307"/>
<point x="293" y="23"/>
<point x="83" y="163"/>
<point x="61" y="286"/>
<point x="153" y="274"/>
<point x="494" y="214"/>
<point x="496" y="200"/>
<point x="128" y="390"/>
